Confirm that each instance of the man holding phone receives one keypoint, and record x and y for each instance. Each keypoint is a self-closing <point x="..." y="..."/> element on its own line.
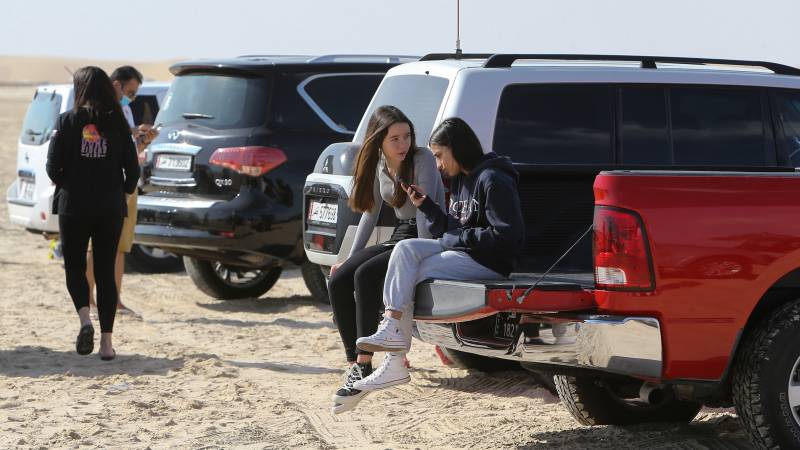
<point x="126" y="81"/>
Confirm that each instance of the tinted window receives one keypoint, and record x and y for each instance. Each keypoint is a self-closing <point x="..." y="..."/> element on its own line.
<point x="554" y="124"/>
<point x="145" y="109"/>
<point x="342" y="99"/>
<point x="717" y="126"/>
<point x="216" y="101"/>
<point x="643" y="133"/>
<point x="418" y="96"/>
<point x="40" y="118"/>
<point x="788" y="108"/>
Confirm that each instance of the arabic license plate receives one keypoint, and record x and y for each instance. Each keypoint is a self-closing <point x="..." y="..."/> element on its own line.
<point x="506" y="326"/>
<point x="322" y="212"/>
<point x="174" y="162"/>
<point x="27" y="189"/>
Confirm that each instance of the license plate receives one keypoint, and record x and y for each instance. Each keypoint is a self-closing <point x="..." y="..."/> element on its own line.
<point x="322" y="212"/>
<point x="174" y="162"/>
<point x="506" y="326"/>
<point x="27" y="189"/>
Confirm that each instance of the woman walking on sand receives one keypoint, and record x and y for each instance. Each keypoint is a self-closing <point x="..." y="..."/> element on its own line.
<point x="92" y="161"/>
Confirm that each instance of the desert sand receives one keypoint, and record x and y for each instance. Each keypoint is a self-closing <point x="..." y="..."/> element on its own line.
<point x="19" y="70"/>
<point x="257" y="373"/>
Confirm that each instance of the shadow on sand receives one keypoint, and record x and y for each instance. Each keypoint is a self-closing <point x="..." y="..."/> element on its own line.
<point x="33" y="362"/>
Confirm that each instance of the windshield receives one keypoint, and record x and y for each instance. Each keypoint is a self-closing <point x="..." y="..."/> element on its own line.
<point x="418" y="96"/>
<point x="40" y="118"/>
<point x="216" y="101"/>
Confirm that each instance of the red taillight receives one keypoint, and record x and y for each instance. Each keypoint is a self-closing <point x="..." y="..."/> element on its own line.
<point x="252" y="161"/>
<point x="621" y="256"/>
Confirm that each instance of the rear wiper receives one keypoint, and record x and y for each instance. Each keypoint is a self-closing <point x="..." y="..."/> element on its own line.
<point x="33" y="133"/>
<point x="196" y="116"/>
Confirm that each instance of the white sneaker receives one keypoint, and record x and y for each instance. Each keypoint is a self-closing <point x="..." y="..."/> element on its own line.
<point x="347" y="398"/>
<point x="392" y="372"/>
<point x="388" y="338"/>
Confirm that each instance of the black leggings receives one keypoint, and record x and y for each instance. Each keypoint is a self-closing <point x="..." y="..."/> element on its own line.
<point x="104" y="232"/>
<point x="356" y="292"/>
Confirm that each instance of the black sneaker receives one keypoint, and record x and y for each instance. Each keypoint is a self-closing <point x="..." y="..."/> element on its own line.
<point x="347" y="398"/>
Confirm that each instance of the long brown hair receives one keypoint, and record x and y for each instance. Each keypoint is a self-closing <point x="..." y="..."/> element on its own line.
<point x="95" y="94"/>
<point x="362" y="199"/>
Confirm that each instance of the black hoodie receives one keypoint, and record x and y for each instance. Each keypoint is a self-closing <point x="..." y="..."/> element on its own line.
<point x="484" y="219"/>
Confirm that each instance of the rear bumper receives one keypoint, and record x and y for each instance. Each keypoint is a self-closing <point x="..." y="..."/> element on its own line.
<point x="248" y="230"/>
<point x="615" y="344"/>
<point x="33" y="216"/>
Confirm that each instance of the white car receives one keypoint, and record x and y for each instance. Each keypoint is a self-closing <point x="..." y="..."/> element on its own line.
<point x="30" y="196"/>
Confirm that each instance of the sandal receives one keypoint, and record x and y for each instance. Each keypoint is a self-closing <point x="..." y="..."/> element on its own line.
<point x="84" y="344"/>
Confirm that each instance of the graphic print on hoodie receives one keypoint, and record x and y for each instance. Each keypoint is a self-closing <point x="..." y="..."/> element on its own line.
<point x="93" y="144"/>
<point x="484" y="219"/>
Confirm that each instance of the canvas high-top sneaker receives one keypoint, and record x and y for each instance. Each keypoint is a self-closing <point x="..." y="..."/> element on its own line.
<point x="347" y="398"/>
<point x="390" y="337"/>
<point x="392" y="372"/>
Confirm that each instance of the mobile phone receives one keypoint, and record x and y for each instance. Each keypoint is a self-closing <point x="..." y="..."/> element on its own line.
<point x="403" y="183"/>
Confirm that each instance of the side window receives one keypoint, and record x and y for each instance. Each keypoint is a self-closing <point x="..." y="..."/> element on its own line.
<point x="145" y="109"/>
<point x="340" y="100"/>
<point x="787" y="105"/>
<point x="717" y="126"/>
<point x="555" y="124"/>
<point x="643" y="131"/>
<point x="289" y="110"/>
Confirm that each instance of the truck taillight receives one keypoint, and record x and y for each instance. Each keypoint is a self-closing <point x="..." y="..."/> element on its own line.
<point x="251" y="161"/>
<point x="621" y="255"/>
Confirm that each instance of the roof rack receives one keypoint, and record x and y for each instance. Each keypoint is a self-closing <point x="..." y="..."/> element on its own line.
<point x="647" y="62"/>
<point x="441" y="56"/>
<point x="274" y="56"/>
<point x="363" y="58"/>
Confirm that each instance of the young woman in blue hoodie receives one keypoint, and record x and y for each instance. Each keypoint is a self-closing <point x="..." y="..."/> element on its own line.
<point x="477" y="238"/>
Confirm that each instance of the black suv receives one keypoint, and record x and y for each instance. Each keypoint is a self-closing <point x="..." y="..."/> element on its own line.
<point x="224" y="180"/>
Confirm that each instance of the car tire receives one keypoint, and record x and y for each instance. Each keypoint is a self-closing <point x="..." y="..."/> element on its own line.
<point x="767" y="396"/>
<point x="145" y="259"/>
<point x="595" y="401"/>
<point x="464" y="360"/>
<point x="315" y="281"/>
<point x="230" y="283"/>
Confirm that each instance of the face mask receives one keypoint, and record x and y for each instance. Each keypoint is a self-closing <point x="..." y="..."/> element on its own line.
<point x="125" y="101"/>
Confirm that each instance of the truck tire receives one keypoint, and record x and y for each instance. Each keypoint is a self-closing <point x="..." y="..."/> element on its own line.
<point x="595" y="401"/>
<point x="152" y="260"/>
<point x="229" y="283"/>
<point x="767" y="396"/>
<point x="464" y="360"/>
<point x="315" y="281"/>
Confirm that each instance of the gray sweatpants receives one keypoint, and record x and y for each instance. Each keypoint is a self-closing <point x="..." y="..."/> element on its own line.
<point x="416" y="260"/>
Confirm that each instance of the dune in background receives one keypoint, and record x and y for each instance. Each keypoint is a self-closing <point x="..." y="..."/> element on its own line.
<point x="29" y="70"/>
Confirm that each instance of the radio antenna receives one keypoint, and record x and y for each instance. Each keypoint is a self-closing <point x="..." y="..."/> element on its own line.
<point x="458" y="29"/>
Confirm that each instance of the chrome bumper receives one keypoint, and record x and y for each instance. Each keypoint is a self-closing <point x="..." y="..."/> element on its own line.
<point x="615" y="344"/>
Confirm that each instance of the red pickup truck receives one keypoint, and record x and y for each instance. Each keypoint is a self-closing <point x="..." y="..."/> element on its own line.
<point x="685" y="293"/>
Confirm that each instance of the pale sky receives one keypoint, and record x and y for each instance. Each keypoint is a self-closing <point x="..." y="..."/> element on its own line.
<point x="156" y="30"/>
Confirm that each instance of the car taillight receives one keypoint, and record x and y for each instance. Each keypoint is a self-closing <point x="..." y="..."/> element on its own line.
<point x="251" y="161"/>
<point x="621" y="255"/>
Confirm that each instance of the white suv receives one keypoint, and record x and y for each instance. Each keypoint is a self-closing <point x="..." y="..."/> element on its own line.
<point x="30" y="196"/>
<point x="566" y="117"/>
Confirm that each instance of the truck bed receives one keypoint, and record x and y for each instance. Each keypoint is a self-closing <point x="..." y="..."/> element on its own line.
<point x="459" y="301"/>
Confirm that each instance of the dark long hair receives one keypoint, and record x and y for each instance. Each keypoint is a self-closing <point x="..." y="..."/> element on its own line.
<point x="95" y="94"/>
<point x="362" y="199"/>
<point x="453" y="132"/>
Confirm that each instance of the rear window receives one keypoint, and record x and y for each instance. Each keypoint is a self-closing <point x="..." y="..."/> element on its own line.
<point x="418" y="96"/>
<point x="216" y="101"/>
<point x="788" y="108"/>
<point x="341" y="100"/>
<point x="145" y="109"/>
<point x="717" y="126"/>
<point x="555" y="124"/>
<point x="40" y="118"/>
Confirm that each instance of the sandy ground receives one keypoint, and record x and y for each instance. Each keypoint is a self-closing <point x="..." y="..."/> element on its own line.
<point x="256" y="373"/>
<point x="36" y="70"/>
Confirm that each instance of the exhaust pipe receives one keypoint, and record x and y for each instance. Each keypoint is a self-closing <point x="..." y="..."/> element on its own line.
<point x="652" y="393"/>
